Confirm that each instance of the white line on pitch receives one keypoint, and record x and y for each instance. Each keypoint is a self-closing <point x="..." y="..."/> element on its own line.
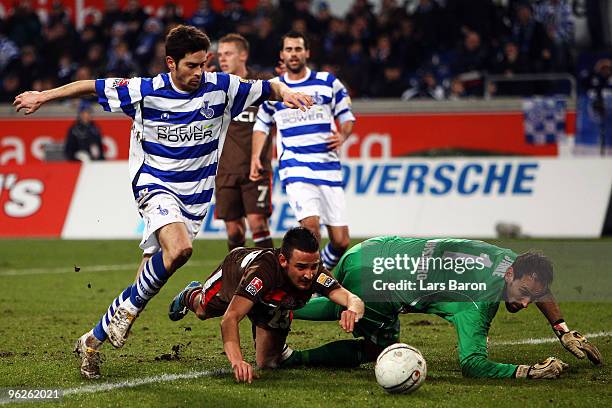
<point x="547" y="339"/>
<point x="89" y="389"/>
<point x="88" y="268"/>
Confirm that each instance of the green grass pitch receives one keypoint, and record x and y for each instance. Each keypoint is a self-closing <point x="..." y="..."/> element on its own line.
<point x="45" y="304"/>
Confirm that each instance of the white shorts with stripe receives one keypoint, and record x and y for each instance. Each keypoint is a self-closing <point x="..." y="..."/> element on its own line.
<point x="326" y="202"/>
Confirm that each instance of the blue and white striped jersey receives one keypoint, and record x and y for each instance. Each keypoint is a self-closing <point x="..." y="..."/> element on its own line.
<point x="301" y="138"/>
<point x="177" y="137"/>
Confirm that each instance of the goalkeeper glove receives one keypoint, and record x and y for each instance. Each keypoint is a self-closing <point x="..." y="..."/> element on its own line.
<point x="576" y="343"/>
<point x="550" y="368"/>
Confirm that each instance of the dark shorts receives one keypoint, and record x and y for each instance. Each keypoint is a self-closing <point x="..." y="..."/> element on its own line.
<point x="236" y="196"/>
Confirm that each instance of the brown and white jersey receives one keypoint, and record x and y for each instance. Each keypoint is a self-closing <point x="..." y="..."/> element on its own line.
<point x="236" y="155"/>
<point x="256" y="274"/>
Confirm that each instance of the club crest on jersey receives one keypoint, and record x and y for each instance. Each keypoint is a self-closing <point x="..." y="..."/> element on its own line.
<point x="162" y="211"/>
<point x="254" y="286"/>
<point x="317" y="99"/>
<point x="206" y="111"/>
<point x="120" y="82"/>
<point x="325" y="280"/>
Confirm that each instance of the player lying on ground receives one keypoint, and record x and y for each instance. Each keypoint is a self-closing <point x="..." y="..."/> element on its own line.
<point x="180" y="120"/>
<point x="265" y="285"/>
<point x="381" y="272"/>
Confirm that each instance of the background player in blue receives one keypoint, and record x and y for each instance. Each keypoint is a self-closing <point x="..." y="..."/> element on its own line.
<point x="180" y="120"/>
<point x="308" y="161"/>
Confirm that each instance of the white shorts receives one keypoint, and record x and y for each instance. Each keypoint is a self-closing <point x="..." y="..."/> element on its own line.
<point x="163" y="209"/>
<point x="326" y="202"/>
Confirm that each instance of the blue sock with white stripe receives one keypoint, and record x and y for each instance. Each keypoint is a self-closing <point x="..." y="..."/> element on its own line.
<point x="100" y="330"/>
<point x="330" y="256"/>
<point x="149" y="283"/>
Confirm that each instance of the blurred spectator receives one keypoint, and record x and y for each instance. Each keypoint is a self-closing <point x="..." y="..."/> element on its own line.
<point x="530" y="37"/>
<point x="323" y="17"/>
<point x="430" y="25"/>
<point x="84" y="141"/>
<point x="389" y="16"/>
<point x="424" y="87"/>
<point x="29" y="67"/>
<point x="9" y="87"/>
<point x="472" y="59"/>
<point x="390" y="84"/>
<point x="121" y="64"/>
<point x="457" y="90"/>
<point x="473" y="15"/>
<point x="205" y="18"/>
<point x="111" y="16"/>
<point x="23" y="26"/>
<point x="170" y="15"/>
<point x="9" y="53"/>
<point x="599" y="80"/>
<point x="66" y="69"/>
<point x="231" y="16"/>
<point x="558" y="19"/>
<point x="148" y="38"/>
<point x="356" y="70"/>
<point x="409" y="48"/>
<point x="266" y="41"/>
<point x="134" y="17"/>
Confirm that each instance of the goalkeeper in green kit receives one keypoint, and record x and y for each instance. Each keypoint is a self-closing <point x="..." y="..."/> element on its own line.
<point x="462" y="281"/>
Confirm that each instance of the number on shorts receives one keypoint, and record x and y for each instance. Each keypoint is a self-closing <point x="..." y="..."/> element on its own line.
<point x="263" y="192"/>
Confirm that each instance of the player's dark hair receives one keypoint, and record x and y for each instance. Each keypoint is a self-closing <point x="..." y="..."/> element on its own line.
<point x="241" y="43"/>
<point x="299" y="238"/>
<point x="534" y="263"/>
<point x="183" y="39"/>
<point x="294" y="34"/>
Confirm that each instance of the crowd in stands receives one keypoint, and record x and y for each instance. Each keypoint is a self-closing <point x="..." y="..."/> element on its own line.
<point x="414" y="49"/>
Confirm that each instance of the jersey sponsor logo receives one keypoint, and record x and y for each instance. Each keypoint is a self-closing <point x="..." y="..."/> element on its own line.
<point x="207" y="111"/>
<point x="296" y="116"/>
<point x="183" y="133"/>
<point x="120" y="82"/>
<point x="254" y="286"/>
<point x="325" y="280"/>
<point x="165" y="116"/>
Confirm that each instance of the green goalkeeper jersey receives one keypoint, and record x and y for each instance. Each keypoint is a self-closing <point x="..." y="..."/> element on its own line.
<point x="459" y="280"/>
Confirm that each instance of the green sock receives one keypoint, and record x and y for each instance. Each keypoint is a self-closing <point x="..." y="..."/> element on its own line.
<point x="341" y="353"/>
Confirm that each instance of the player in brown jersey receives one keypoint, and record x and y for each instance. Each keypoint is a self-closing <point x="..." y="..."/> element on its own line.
<point x="236" y="195"/>
<point x="266" y="285"/>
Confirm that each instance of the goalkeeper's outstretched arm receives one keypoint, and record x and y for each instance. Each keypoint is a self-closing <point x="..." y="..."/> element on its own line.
<point x="572" y="340"/>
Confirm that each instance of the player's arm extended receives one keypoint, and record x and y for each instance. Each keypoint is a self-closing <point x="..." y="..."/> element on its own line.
<point x="572" y="340"/>
<point x="472" y="328"/>
<point x="353" y="304"/>
<point x="339" y="137"/>
<point x="237" y="309"/>
<point x="32" y="100"/>
<point x="257" y="145"/>
<point x="296" y="100"/>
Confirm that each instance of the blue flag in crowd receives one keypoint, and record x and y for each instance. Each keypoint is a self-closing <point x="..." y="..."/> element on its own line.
<point x="544" y="119"/>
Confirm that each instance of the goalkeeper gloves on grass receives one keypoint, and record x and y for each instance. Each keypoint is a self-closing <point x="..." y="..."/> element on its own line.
<point x="576" y="343"/>
<point x="550" y="368"/>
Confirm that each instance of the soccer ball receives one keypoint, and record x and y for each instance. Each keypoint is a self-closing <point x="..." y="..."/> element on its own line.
<point x="400" y="368"/>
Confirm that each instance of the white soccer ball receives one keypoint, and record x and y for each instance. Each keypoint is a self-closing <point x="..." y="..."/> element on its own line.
<point x="400" y="368"/>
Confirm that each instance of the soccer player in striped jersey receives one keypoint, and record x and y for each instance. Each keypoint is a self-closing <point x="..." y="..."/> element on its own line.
<point x="307" y="145"/>
<point x="180" y="120"/>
